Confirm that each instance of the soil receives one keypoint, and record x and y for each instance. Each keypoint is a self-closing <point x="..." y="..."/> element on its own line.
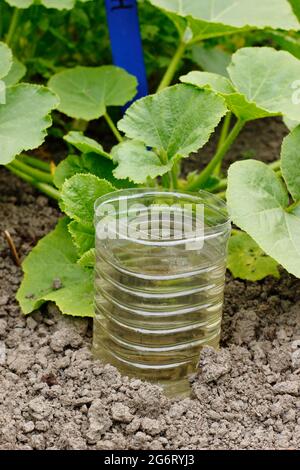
<point x="53" y="395"/>
<point x="260" y="139"/>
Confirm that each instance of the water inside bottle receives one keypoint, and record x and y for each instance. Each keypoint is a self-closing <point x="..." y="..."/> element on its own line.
<point x="156" y="307"/>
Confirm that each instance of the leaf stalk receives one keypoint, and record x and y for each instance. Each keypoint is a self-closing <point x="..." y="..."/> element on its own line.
<point x="113" y="127"/>
<point x="202" y="178"/>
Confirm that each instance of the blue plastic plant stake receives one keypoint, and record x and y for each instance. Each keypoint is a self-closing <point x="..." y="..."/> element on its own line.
<point x="126" y="43"/>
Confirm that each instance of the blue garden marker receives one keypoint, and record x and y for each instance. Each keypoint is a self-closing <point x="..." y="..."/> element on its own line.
<point x="126" y="43"/>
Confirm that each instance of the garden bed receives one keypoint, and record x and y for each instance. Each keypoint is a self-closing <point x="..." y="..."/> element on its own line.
<point x="53" y="395"/>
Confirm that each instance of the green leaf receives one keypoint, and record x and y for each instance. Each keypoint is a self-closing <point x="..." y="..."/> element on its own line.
<point x="290" y="162"/>
<point x="247" y="261"/>
<point x="85" y="144"/>
<point x="257" y="201"/>
<point x="209" y="80"/>
<point x="58" y="4"/>
<point x="86" y="92"/>
<point x="211" y="59"/>
<point x="51" y="273"/>
<point x="88" y="259"/>
<point x="276" y="14"/>
<point x="20" y="3"/>
<point x="24" y="119"/>
<point x="236" y="102"/>
<point x="5" y="59"/>
<point x="266" y="77"/>
<point x="83" y="237"/>
<point x="79" y="194"/>
<point x="290" y="124"/>
<point x="286" y="42"/>
<point x="177" y="121"/>
<point x="263" y="83"/>
<point x="2" y="92"/>
<point x="137" y="163"/>
<point x="296" y="7"/>
<point x="88" y="163"/>
<point x="16" y="72"/>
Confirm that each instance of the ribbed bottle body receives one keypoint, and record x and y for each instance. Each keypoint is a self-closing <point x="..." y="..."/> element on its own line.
<point x="157" y="304"/>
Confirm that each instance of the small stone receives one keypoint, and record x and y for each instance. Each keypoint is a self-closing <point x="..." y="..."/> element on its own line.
<point x="213" y="364"/>
<point x="296" y="359"/>
<point x="151" y="426"/>
<point x="105" y="445"/>
<point x="289" y="388"/>
<point x="31" y="323"/>
<point x="133" y="426"/>
<point x="63" y="338"/>
<point x="39" y="407"/>
<point x="3" y="326"/>
<point x="121" y="413"/>
<point x="99" y="421"/>
<point x="4" y="300"/>
<point x="28" y="427"/>
<point x="21" y="362"/>
<point x="37" y="441"/>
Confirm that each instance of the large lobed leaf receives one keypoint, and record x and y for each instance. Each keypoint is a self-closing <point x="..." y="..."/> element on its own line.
<point x="247" y="260"/>
<point x="79" y="194"/>
<point x="58" y="4"/>
<point x="85" y="144"/>
<point x="88" y="163"/>
<point x="212" y="15"/>
<point x="52" y="274"/>
<point x="258" y="203"/>
<point x="137" y="163"/>
<point x="177" y="121"/>
<point x="15" y="74"/>
<point x="24" y="119"/>
<point x="5" y="59"/>
<point x="290" y="162"/>
<point x="261" y="83"/>
<point x="86" y="92"/>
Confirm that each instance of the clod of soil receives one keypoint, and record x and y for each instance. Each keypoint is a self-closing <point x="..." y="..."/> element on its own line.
<point x="53" y="395"/>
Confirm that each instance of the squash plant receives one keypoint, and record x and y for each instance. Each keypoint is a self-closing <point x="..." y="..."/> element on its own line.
<point x="24" y="117"/>
<point x="156" y="133"/>
<point x="153" y="137"/>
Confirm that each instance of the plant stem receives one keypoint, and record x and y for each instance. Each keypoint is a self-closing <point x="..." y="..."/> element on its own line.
<point x="113" y="127"/>
<point x="202" y="178"/>
<point x="275" y="165"/>
<point x="223" y="137"/>
<point x="33" y="172"/>
<point x="166" y="180"/>
<point x="171" y="70"/>
<point x="13" y="25"/>
<point x="43" y="187"/>
<point x="221" y="186"/>
<point x="174" y="176"/>
<point x="34" y="162"/>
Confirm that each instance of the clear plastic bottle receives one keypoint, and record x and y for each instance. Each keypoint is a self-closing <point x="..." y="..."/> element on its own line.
<point x="159" y="295"/>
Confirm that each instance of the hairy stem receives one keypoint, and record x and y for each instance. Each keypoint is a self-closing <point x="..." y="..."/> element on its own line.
<point x="35" y="163"/>
<point x="113" y="127"/>
<point x="43" y="187"/>
<point x="171" y="70"/>
<point x="223" y="137"/>
<point x="202" y="178"/>
<point x="13" y="26"/>
<point x="166" y="180"/>
<point x="38" y="175"/>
